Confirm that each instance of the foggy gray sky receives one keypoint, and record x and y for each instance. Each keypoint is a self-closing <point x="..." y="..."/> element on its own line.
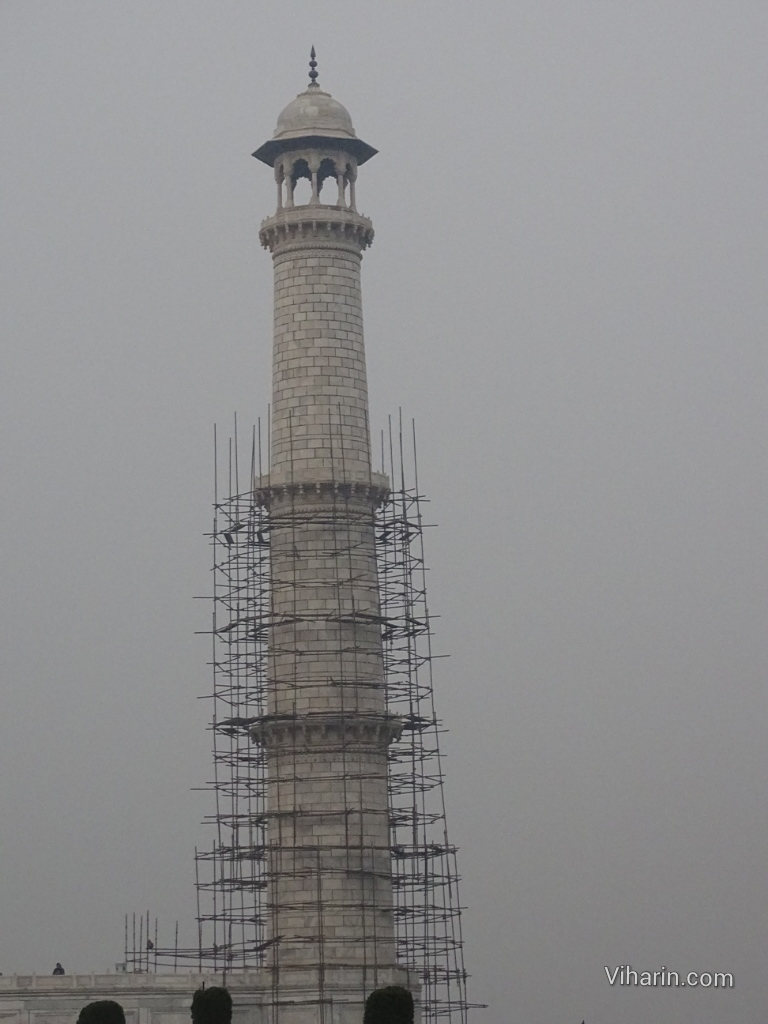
<point x="568" y="291"/>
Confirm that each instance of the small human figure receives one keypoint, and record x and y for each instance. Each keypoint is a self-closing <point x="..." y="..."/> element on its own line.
<point x="58" y="969"/>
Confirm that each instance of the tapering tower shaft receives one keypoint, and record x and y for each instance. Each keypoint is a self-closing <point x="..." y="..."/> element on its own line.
<point x="319" y="388"/>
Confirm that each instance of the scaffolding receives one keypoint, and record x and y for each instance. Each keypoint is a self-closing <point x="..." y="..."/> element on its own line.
<point x="408" y="876"/>
<point x="424" y="871"/>
<point x="143" y="952"/>
<point x="231" y="876"/>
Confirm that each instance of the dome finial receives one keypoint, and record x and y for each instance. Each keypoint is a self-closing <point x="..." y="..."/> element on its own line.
<point x="312" y="72"/>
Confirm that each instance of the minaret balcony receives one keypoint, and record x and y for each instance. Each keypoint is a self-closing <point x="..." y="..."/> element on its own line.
<point x="316" y="224"/>
<point x="374" y="491"/>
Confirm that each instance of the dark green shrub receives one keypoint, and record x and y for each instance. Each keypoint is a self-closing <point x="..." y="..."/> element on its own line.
<point x="211" y="1006"/>
<point x="105" y="1011"/>
<point x="391" y="1005"/>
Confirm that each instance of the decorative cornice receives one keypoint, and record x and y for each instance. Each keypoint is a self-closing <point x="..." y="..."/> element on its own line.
<point x="316" y="225"/>
<point x="326" y="729"/>
<point x="42" y="986"/>
<point x="373" y="491"/>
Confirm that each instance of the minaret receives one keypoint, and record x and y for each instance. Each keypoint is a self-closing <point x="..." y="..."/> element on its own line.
<point x="327" y="730"/>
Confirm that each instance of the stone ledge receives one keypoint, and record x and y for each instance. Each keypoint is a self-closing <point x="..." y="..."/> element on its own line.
<point x="316" y="225"/>
<point x="119" y="981"/>
<point x="326" y="730"/>
<point x="376" y="490"/>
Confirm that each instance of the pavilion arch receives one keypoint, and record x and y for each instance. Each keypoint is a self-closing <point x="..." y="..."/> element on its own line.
<point x="301" y="195"/>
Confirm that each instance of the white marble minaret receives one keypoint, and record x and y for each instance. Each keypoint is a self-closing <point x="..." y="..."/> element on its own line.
<point x="326" y="732"/>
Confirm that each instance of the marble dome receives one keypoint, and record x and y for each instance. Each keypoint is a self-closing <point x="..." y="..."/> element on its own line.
<point x="314" y="118"/>
<point x="314" y="112"/>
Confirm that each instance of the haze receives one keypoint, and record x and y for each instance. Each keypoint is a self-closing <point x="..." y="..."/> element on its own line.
<point x="567" y="291"/>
